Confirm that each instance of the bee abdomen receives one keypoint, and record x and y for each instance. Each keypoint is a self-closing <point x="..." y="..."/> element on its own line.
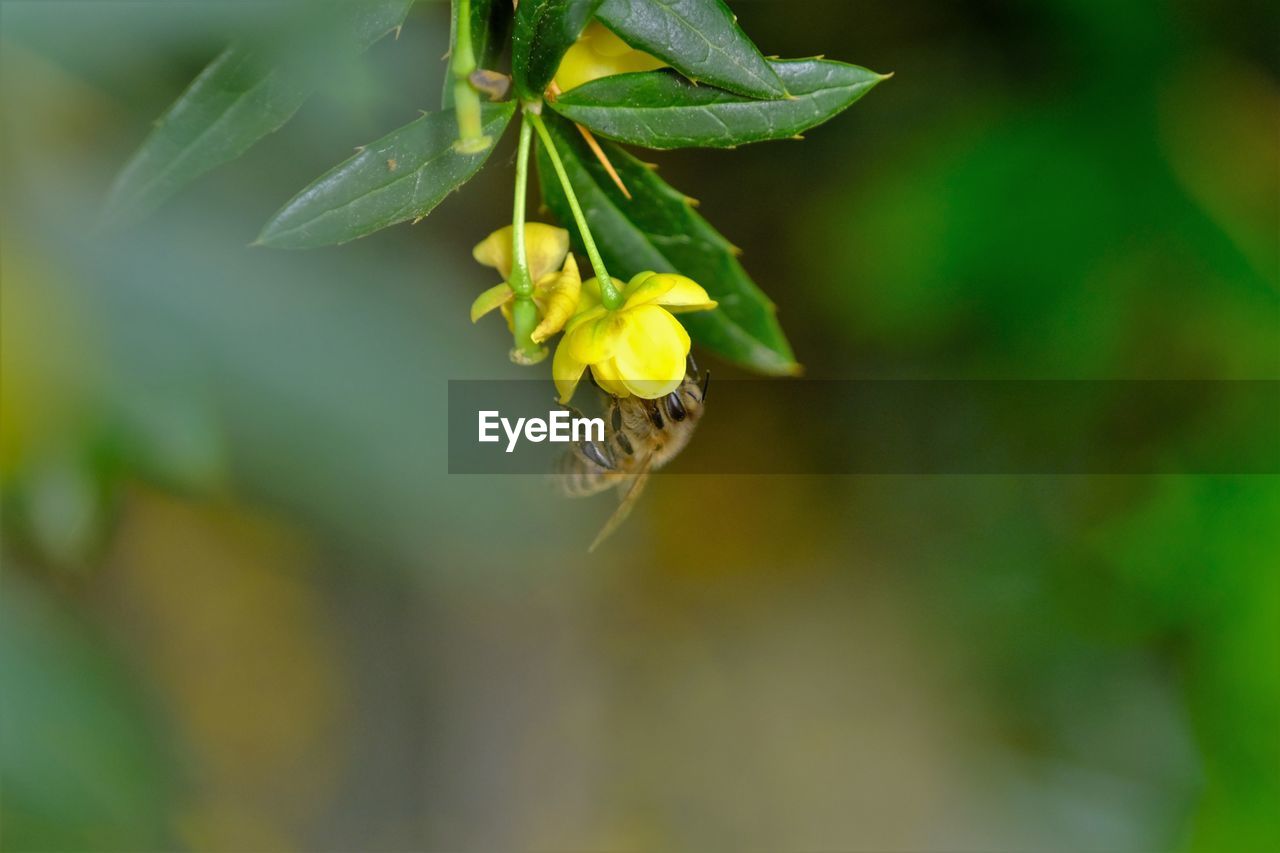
<point x="580" y="478"/>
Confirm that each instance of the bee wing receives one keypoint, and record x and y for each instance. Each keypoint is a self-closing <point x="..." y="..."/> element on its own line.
<point x="634" y="489"/>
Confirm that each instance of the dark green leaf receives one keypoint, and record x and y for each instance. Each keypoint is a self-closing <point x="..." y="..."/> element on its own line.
<point x="657" y="229"/>
<point x="544" y="30"/>
<point x="246" y="93"/>
<point x="699" y="38"/>
<point x="490" y="23"/>
<point x="661" y="109"/>
<point x="402" y="176"/>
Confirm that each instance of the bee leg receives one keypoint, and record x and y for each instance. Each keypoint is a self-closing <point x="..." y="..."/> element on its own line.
<point x="675" y="406"/>
<point x="624" y="443"/>
<point x="655" y="416"/>
<point x="592" y="451"/>
<point x="596" y="455"/>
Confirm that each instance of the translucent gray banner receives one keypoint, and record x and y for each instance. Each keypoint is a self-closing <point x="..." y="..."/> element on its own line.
<point x="915" y="427"/>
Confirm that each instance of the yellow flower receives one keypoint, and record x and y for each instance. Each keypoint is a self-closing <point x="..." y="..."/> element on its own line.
<point x="599" y="53"/>
<point x="639" y="348"/>
<point x="556" y="296"/>
<point x="556" y="281"/>
<point x="544" y="245"/>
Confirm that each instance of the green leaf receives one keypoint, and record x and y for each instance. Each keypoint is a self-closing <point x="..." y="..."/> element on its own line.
<point x="402" y="176"/>
<point x="657" y="229"/>
<point x="699" y="38"/>
<point x="86" y="763"/>
<point x="249" y="91"/>
<point x="490" y="23"/>
<point x="661" y="109"/>
<point x="544" y="30"/>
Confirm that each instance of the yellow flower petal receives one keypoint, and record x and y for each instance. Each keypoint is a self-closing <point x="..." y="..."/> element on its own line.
<point x="609" y="379"/>
<point x="566" y="371"/>
<point x="558" y="295"/>
<point x="602" y="41"/>
<point x="495" y="251"/>
<point x="582" y="317"/>
<point x="650" y="357"/>
<point x="545" y="248"/>
<point x="599" y="53"/>
<point x="589" y="299"/>
<point x="494" y="297"/>
<point x="646" y="287"/>
<point x="638" y="60"/>
<point x="636" y="282"/>
<point x="595" y="340"/>
<point x="683" y="295"/>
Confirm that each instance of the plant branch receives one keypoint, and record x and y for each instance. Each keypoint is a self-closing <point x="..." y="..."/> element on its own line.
<point x="466" y="100"/>
<point x="524" y="313"/>
<point x="609" y="294"/>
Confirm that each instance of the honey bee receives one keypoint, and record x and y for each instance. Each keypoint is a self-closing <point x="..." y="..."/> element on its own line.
<point x="640" y="437"/>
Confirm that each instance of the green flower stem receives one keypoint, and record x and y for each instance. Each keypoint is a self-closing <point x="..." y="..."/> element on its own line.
<point x="609" y="294"/>
<point x="524" y="312"/>
<point x="466" y="100"/>
<point x="524" y="319"/>
<point x="520" y="279"/>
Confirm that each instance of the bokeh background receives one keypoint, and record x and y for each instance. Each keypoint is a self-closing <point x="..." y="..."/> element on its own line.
<point x="244" y="608"/>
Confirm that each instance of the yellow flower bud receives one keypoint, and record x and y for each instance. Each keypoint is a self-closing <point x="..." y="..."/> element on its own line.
<point x="599" y="53"/>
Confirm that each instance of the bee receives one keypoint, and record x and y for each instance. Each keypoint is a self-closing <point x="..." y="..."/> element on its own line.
<point x="640" y="436"/>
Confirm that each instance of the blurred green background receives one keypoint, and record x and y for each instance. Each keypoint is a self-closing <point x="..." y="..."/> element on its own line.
<point x="244" y="608"/>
